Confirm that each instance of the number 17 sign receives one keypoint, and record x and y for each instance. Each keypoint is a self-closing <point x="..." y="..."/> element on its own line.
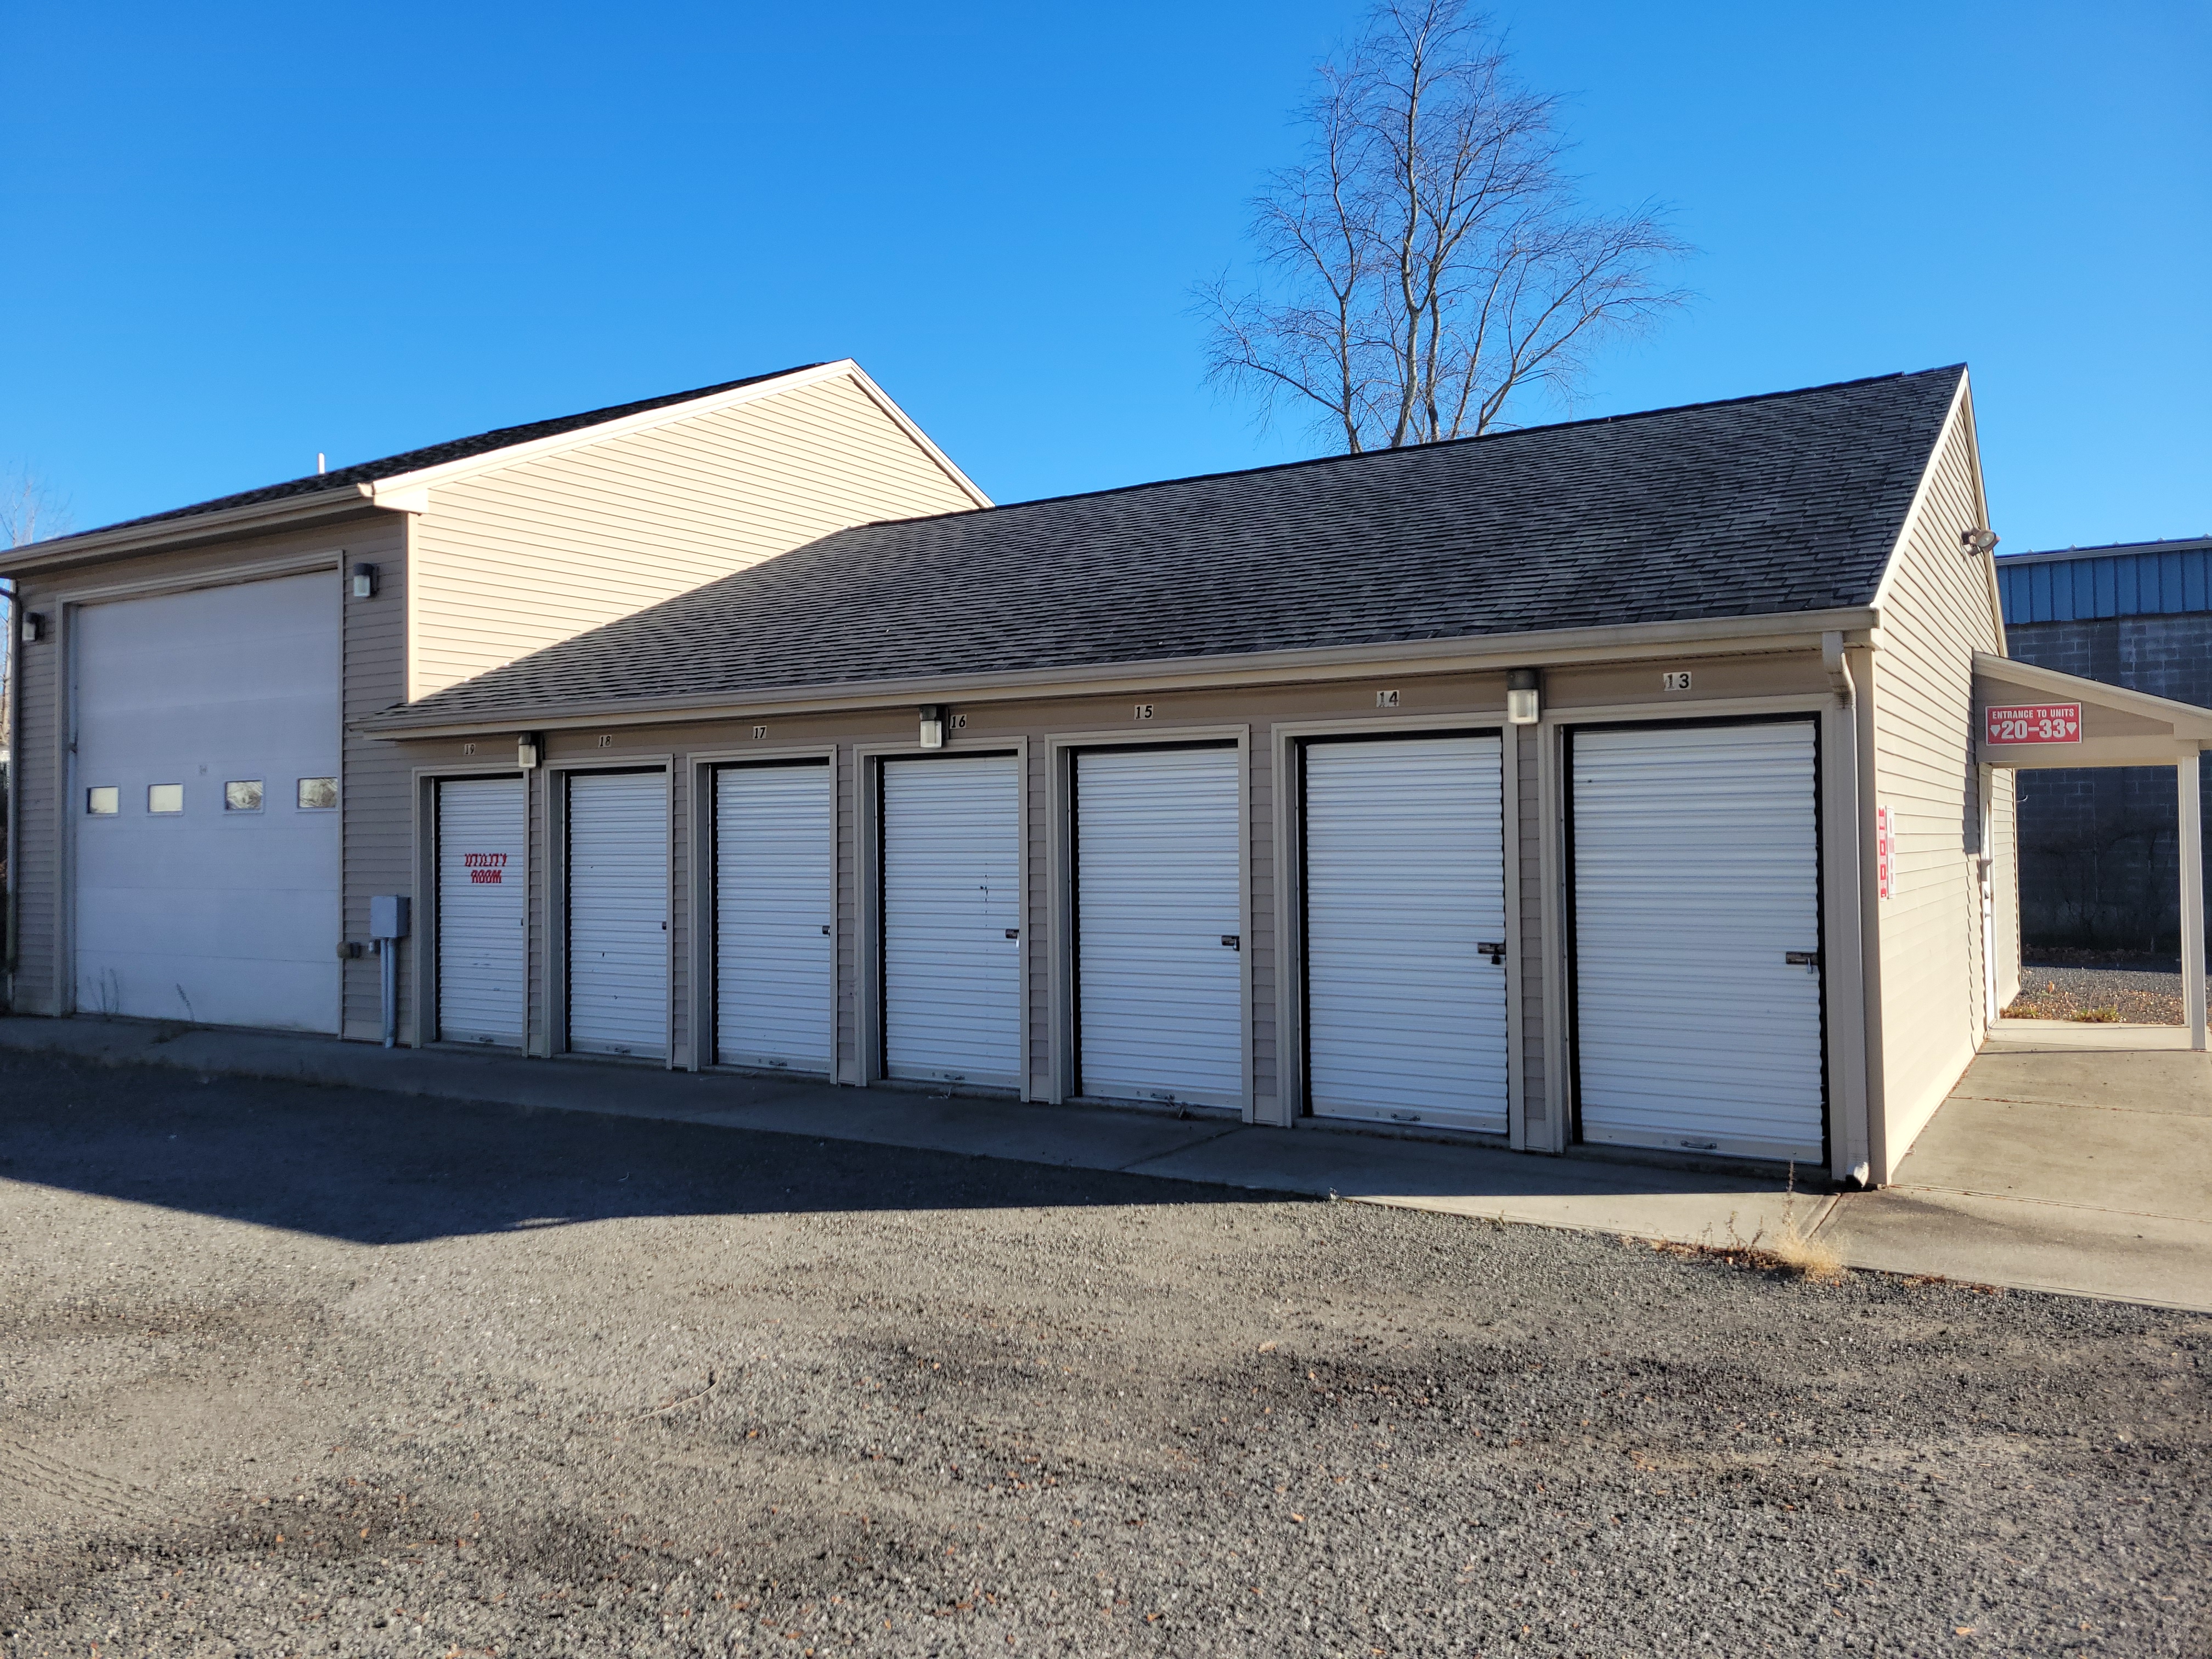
<point x="2032" y="722"/>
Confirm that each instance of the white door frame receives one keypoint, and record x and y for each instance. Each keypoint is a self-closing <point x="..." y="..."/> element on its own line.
<point x="699" y="1004"/>
<point x="1061" y="749"/>
<point x="1837" y="813"/>
<point x="422" y="957"/>
<point x="1290" y="900"/>
<point x="867" y="878"/>
<point x="554" y="920"/>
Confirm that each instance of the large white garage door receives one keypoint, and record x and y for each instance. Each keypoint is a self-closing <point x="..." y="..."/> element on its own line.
<point x="618" y="914"/>
<point x="1160" y="989"/>
<point x="206" y="805"/>
<point x="481" y="911"/>
<point x="772" y="910"/>
<point x="1696" y="871"/>
<point x="952" y="920"/>
<point x="1405" y="886"/>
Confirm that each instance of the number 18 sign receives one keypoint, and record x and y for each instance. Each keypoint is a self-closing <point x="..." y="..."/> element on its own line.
<point x="2032" y="722"/>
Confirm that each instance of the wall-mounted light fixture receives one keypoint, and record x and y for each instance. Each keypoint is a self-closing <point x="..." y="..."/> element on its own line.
<point x="932" y="726"/>
<point x="1979" y="542"/>
<point x="526" y="750"/>
<point x="364" y="581"/>
<point x="35" y="626"/>
<point x="1523" y="705"/>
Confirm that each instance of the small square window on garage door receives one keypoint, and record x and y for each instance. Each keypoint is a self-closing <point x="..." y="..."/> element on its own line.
<point x="242" y="795"/>
<point x="318" y="794"/>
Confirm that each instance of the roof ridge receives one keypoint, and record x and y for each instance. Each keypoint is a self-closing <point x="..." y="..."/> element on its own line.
<point x="1441" y="443"/>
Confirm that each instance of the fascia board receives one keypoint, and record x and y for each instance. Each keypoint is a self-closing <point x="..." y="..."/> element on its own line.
<point x="2188" y="720"/>
<point x="882" y="400"/>
<point x="1920" y="493"/>
<point x="1616" y="642"/>
<point x="1982" y="507"/>
<point x="179" y="534"/>
<point x="426" y="478"/>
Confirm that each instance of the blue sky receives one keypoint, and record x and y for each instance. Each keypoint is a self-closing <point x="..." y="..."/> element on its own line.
<point x="239" y="234"/>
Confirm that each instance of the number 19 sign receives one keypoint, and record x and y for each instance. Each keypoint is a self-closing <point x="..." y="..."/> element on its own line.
<point x="2032" y="722"/>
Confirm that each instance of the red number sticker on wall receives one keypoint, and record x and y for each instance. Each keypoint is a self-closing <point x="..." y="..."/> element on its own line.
<point x="1882" y="848"/>
<point x="2032" y="722"/>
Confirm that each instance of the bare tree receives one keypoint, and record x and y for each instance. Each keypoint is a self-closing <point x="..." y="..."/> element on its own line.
<point x="29" y="509"/>
<point x="1428" y="260"/>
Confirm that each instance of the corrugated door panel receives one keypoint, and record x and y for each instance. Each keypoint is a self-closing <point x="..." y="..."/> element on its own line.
<point x="774" y="907"/>
<point x="1696" y="873"/>
<point x="1159" y="986"/>
<point x="952" y="920"/>
<point x="481" y="911"/>
<point x="618" y="914"/>
<point x="1405" y="851"/>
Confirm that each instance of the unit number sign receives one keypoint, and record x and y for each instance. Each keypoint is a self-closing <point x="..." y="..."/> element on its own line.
<point x="2032" y="722"/>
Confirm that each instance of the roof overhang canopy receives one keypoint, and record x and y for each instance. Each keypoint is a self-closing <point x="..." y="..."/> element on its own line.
<point x="2030" y="717"/>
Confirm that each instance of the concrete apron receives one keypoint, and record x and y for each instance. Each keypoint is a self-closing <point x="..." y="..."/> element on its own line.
<point x="2070" y="1157"/>
<point x="2063" y="1161"/>
<point x="1685" y="1207"/>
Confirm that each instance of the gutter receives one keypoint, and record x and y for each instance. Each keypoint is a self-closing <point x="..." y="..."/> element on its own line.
<point x="1556" y="648"/>
<point x="164" y="535"/>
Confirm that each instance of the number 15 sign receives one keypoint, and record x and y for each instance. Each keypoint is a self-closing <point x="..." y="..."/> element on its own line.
<point x="2032" y="722"/>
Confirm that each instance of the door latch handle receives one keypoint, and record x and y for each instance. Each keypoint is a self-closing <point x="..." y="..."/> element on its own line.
<point x="1809" y="960"/>
<point x="1233" y="941"/>
<point x="1495" y="952"/>
<point x="1013" y="933"/>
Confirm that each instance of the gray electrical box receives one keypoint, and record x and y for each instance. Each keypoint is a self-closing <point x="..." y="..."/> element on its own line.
<point x="387" y="916"/>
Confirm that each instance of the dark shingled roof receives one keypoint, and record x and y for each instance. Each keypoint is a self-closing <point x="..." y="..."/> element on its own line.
<point x="414" y="460"/>
<point x="1760" y="506"/>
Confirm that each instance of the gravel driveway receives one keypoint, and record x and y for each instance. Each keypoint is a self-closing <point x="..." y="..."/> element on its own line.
<point x="2143" y="996"/>
<point x="295" y="1371"/>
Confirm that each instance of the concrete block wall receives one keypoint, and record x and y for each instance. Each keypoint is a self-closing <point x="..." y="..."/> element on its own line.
<point x="2100" y="849"/>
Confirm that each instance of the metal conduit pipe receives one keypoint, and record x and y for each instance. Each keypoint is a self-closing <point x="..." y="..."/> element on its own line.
<point x="13" y="645"/>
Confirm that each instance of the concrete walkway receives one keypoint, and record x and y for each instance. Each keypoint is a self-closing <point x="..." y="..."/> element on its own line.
<point x="2070" y="1157"/>
<point x="1581" y="1193"/>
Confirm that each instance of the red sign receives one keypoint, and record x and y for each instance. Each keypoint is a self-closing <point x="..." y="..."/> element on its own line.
<point x="2032" y="722"/>
<point x="485" y="869"/>
<point x="1882" y="848"/>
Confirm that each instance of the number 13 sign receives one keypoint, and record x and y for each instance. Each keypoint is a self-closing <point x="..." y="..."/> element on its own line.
<point x="2032" y="722"/>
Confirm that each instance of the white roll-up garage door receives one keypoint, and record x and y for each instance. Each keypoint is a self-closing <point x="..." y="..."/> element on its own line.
<point x="617" y="913"/>
<point x="205" y="804"/>
<point x="481" y="910"/>
<point x="772" y="910"/>
<point x="1159" y="983"/>
<point x="1405" y="884"/>
<point x="952" y="920"/>
<point x="1696" y="869"/>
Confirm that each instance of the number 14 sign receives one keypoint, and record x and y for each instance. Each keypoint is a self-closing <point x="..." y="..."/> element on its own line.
<point x="2032" y="722"/>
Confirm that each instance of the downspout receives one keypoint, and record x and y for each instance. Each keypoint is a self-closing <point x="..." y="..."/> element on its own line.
<point x="1847" y="827"/>
<point x="14" y="647"/>
<point x="1859" y="690"/>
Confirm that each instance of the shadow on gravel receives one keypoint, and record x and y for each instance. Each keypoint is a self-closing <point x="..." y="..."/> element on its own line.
<point x="378" y="1169"/>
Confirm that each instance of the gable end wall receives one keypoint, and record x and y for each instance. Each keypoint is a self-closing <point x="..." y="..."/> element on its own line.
<point x="1937" y="613"/>
<point x="511" y="560"/>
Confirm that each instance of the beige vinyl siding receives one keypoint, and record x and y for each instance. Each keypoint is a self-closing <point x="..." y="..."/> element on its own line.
<point x="1264" y="791"/>
<point x="377" y="815"/>
<point x="1937" y="611"/>
<point x="38" y="763"/>
<point x="1530" y="829"/>
<point x="515" y="559"/>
